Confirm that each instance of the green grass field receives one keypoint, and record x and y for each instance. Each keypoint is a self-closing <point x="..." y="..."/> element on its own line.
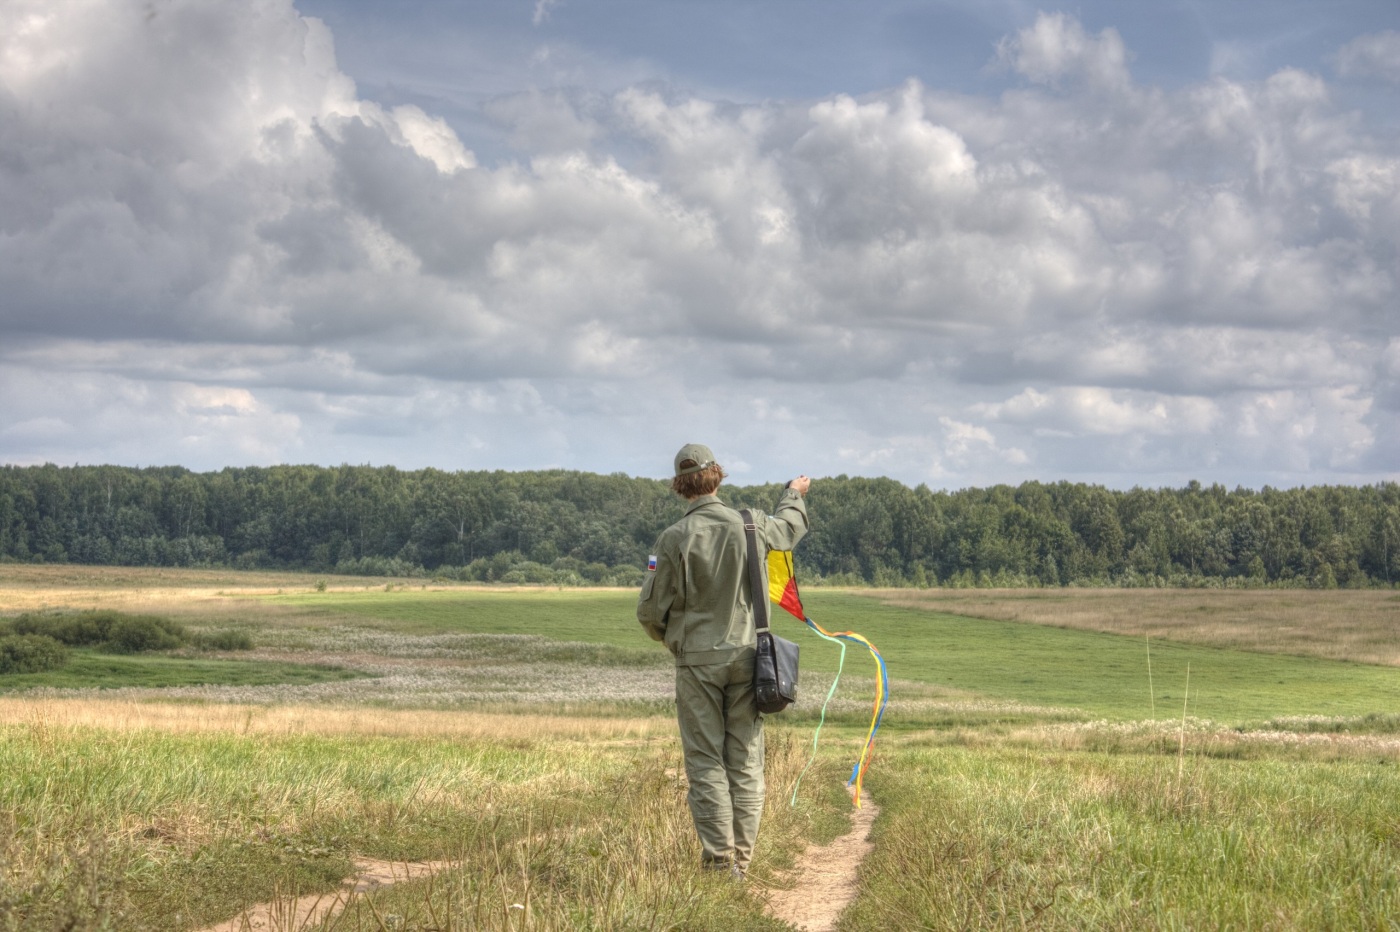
<point x="1102" y="675"/>
<point x="1024" y="778"/>
<point x="1015" y="838"/>
<point x="89" y="669"/>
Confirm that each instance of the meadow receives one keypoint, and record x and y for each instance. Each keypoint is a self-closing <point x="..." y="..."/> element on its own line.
<point x="1030" y="770"/>
<point x="1359" y="624"/>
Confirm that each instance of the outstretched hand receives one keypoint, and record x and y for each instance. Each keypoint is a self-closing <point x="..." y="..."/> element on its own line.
<point x="801" y="484"/>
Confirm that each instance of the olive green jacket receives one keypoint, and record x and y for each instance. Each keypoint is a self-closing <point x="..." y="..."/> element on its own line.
<point x="697" y="599"/>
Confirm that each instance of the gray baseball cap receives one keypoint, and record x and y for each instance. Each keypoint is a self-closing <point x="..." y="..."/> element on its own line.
<point x="696" y="452"/>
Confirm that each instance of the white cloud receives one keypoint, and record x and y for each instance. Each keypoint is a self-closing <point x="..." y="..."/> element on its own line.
<point x="1324" y="428"/>
<point x="1366" y="187"/>
<point x="37" y="429"/>
<point x="1081" y="410"/>
<point x="1374" y="55"/>
<point x="94" y="417"/>
<point x="1200" y="361"/>
<point x="431" y="138"/>
<point x="548" y="122"/>
<point x="962" y="441"/>
<point x="543" y="9"/>
<point x="208" y="234"/>
<point x="1057" y="48"/>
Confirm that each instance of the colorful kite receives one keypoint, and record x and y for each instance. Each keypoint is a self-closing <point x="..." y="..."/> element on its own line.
<point x="782" y="589"/>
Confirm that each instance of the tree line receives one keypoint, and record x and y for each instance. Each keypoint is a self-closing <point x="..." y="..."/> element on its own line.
<point x="576" y="528"/>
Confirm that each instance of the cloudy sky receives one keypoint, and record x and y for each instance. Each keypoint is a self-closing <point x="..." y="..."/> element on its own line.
<point x="956" y="242"/>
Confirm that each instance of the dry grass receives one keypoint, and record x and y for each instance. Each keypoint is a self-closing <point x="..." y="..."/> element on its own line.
<point x="1201" y="737"/>
<point x="167" y="817"/>
<point x="193" y="595"/>
<point x="190" y="595"/>
<point x="74" y="575"/>
<point x="187" y="718"/>
<point x="22" y="577"/>
<point x="1357" y="625"/>
<point x="197" y="596"/>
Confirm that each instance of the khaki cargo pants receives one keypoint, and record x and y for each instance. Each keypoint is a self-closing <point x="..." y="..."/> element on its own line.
<point x="722" y="735"/>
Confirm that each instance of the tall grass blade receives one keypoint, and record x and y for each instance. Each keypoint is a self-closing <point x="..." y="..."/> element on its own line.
<point x="1181" y="747"/>
<point x="1151" y="694"/>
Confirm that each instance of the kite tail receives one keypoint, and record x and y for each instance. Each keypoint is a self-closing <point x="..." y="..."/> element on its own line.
<point x="816" y="736"/>
<point x="782" y="590"/>
<point x="882" y="696"/>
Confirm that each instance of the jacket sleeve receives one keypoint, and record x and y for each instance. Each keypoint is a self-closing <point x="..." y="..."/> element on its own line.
<point x="788" y="523"/>
<point x="658" y="592"/>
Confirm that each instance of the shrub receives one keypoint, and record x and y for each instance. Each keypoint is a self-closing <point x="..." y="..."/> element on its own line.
<point x="137" y="633"/>
<point x="379" y="566"/>
<point x="31" y="653"/>
<point x="222" y="640"/>
<point x="106" y="630"/>
<point x="80" y="630"/>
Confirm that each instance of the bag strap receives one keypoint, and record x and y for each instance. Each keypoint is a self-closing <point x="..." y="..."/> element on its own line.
<point x="756" y="588"/>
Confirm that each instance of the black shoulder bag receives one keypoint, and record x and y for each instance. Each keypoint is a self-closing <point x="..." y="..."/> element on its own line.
<point x="775" y="668"/>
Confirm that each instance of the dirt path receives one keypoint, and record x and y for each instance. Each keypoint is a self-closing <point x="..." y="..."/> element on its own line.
<point x="292" y="915"/>
<point x="826" y="883"/>
<point x="826" y="876"/>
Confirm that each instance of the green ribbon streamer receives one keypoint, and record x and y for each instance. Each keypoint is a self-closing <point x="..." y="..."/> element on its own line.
<point x="829" y="693"/>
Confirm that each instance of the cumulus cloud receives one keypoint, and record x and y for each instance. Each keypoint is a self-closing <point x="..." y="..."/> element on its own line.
<point x="1091" y="410"/>
<point x="213" y="249"/>
<point x="1057" y="49"/>
<point x="543" y="9"/>
<point x="97" y="417"/>
<point x="1375" y="55"/>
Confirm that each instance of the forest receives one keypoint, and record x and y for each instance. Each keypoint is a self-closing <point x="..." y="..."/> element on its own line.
<point x="575" y="528"/>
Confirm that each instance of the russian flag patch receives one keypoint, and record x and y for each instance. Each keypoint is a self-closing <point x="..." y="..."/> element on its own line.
<point x="651" y="563"/>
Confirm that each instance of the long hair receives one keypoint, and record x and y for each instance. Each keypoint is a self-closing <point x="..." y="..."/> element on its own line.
<point x="704" y="482"/>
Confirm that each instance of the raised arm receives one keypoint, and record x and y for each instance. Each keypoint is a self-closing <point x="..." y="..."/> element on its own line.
<point x="788" y="523"/>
